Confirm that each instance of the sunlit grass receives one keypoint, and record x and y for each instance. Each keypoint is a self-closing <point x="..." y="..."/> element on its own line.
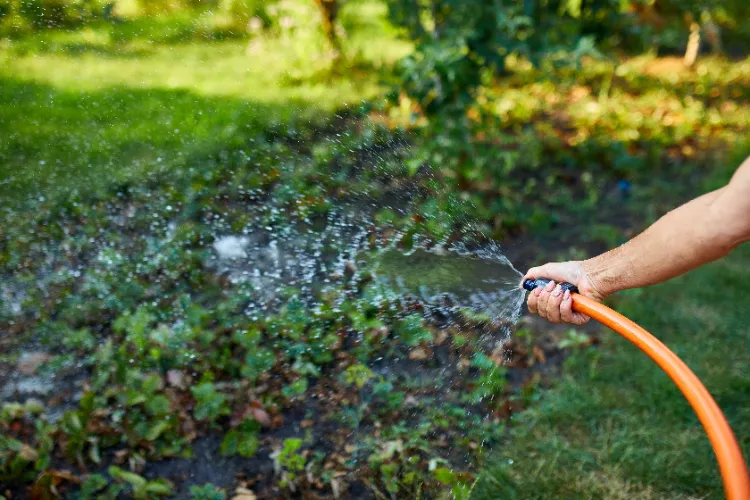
<point x="115" y="101"/>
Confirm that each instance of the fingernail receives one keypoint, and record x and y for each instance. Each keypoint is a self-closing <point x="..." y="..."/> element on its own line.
<point x="557" y="291"/>
<point x="550" y="286"/>
<point x="567" y="295"/>
<point x="537" y="291"/>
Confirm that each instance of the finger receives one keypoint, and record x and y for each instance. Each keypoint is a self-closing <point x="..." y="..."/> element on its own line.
<point x="544" y="297"/>
<point x="566" y="308"/>
<point x="533" y="298"/>
<point x="553" y="305"/>
<point x="534" y="273"/>
<point x="567" y="315"/>
<point x="580" y="319"/>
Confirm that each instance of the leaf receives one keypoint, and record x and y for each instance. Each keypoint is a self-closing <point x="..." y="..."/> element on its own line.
<point x="248" y="444"/>
<point x="210" y="404"/>
<point x="445" y="475"/>
<point x="135" y="397"/>
<point x="159" y="487"/>
<point x="156" y="430"/>
<point x="93" y="484"/>
<point x="240" y="443"/>
<point x="295" y="389"/>
<point x="230" y="443"/>
<point x="574" y="8"/>
<point x="412" y="331"/>
<point x="248" y="339"/>
<point x="136" y="481"/>
<point x="72" y="422"/>
<point x="207" y="492"/>
<point x="94" y="454"/>
<point x="158" y="405"/>
<point x="358" y="375"/>
<point x="257" y="362"/>
<point x="574" y="338"/>
<point x="151" y="384"/>
<point x="483" y="362"/>
<point x="461" y="491"/>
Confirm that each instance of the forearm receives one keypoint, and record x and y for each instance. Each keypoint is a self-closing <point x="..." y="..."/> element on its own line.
<point x="698" y="232"/>
<point x="693" y="234"/>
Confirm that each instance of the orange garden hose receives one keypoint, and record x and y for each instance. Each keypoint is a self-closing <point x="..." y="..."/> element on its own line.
<point x="734" y="471"/>
<point x="728" y="453"/>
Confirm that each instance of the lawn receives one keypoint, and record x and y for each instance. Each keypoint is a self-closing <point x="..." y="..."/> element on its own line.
<point x="189" y="307"/>
<point x="116" y="102"/>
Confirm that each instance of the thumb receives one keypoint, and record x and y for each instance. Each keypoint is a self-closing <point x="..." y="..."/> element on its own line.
<point x="552" y="271"/>
<point x="537" y="272"/>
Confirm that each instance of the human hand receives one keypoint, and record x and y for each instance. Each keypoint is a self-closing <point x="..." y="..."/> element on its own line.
<point x="551" y="302"/>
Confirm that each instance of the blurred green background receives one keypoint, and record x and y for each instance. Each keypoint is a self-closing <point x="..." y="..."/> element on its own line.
<point x="134" y="133"/>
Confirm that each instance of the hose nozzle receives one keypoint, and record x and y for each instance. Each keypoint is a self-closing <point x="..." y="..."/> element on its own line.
<point x="542" y="282"/>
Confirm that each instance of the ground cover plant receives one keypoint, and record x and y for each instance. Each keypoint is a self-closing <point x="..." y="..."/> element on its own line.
<point x="138" y="360"/>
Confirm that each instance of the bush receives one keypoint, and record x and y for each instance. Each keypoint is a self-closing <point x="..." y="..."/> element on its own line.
<point x="42" y="14"/>
<point x="461" y="44"/>
<point x="241" y="11"/>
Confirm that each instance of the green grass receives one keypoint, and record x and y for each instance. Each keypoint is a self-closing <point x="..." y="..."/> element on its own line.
<point x="616" y="426"/>
<point x="121" y="101"/>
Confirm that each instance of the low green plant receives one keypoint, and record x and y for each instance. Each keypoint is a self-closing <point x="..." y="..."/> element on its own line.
<point x="296" y="389"/>
<point x="358" y="375"/>
<point x="98" y="487"/>
<point x="242" y="440"/>
<point x="411" y="330"/>
<point x="210" y="404"/>
<point x="574" y="338"/>
<point x="207" y="492"/>
<point x="290" y="462"/>
<point x="141" y="488"/>
<point x="491" y="382"/>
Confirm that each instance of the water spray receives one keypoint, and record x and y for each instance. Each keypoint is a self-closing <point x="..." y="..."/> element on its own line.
<point x="734" y="471"/>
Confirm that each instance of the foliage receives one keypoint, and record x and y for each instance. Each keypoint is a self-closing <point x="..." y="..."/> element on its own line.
<point x="491" y="382"/>
<point x="459" y="45"/>
<point x="209" y="404"/>
<point x="243" y="440"/>
<point x="141" y="488"/>
<point x="290" y="462"/>
<point x="144" y="155"/>
<point x="207" y="492"/>
<point x="44" y="14"/>
<point x="358" y="375"/>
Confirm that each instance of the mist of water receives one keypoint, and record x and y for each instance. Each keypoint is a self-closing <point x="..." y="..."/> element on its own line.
<point x="316" y="257"/>
<point x="482" y="280"/>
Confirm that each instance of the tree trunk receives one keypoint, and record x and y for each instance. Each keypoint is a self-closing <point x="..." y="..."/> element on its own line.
<point x="694" y="43"/>
<point x="329" y="9"/>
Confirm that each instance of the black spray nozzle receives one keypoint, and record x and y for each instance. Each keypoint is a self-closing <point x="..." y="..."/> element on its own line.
<point x="542" y="282"/>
